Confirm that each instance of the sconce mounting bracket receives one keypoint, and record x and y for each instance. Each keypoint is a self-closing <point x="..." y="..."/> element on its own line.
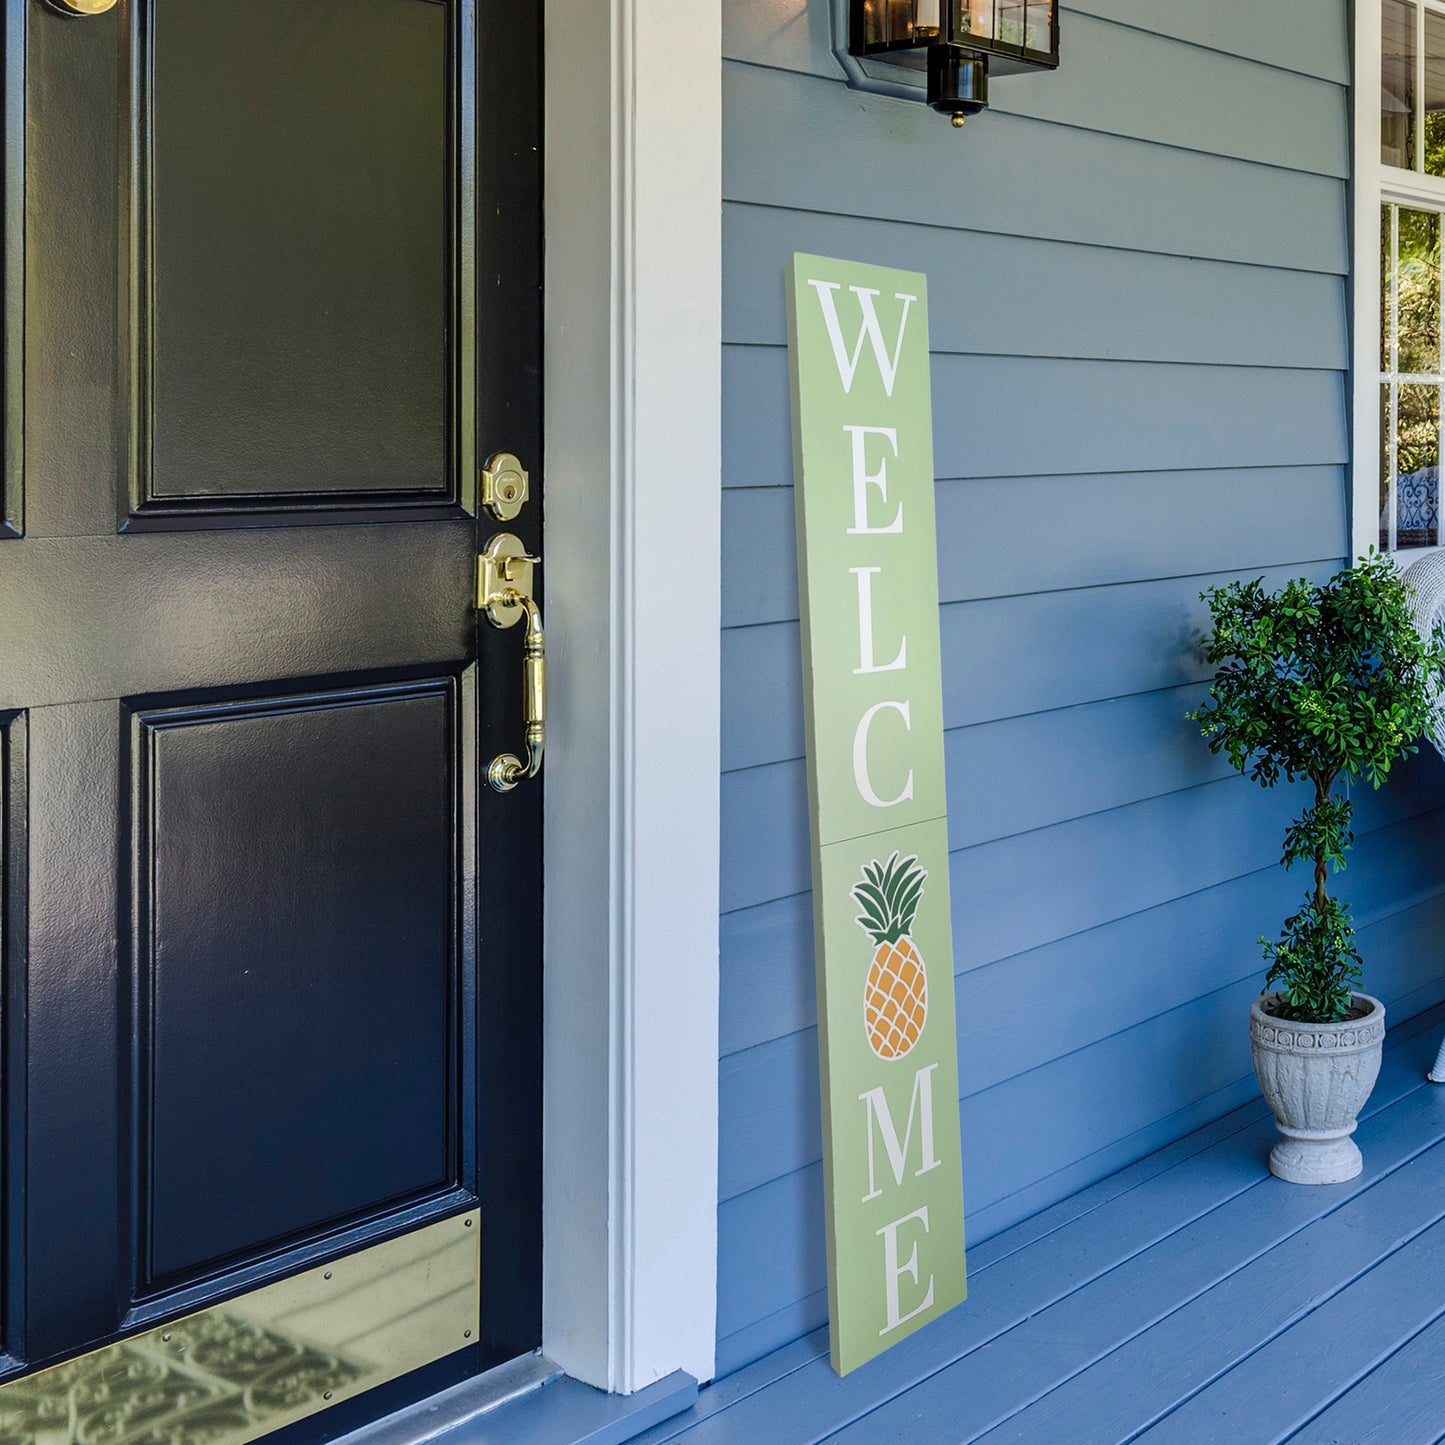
<point x="900" y="77"/>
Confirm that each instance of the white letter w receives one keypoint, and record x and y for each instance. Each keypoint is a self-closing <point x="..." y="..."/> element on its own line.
<point x="871" y="331"/>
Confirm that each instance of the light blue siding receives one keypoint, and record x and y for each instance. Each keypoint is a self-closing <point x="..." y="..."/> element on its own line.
<point x="1308" y="36"/>
<point x="1050" y="298"/>
<point x="770" y="1091"/>
<point x="1012" y="654"/>
<point x="1303" y="36"/>
<point x="1138" y="308"/>
<point x="1014" y="535"/>
<point x="1172" y="96"/>
<point x="768" y="983"/>
<point x="808" y="143"/>
<point x="1004" y="416"/>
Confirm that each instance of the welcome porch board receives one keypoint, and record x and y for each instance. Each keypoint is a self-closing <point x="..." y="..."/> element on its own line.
<point x="863" y="478"/>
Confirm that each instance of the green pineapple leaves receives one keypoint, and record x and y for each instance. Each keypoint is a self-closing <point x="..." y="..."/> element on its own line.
<point x="889" y="894"/>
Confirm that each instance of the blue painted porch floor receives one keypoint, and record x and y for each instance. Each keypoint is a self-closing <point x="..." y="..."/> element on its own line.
<point x="1190" y="1298"/>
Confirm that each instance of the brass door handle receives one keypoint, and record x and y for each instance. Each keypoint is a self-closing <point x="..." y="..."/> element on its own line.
<point x="504" y="593"/>
<point x="83" y="7"/>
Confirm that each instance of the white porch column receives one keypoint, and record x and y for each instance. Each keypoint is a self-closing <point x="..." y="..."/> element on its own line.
<point x="632" y="486"/>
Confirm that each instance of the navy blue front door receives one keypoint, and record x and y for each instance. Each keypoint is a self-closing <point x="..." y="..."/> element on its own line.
<point x="261" y="1007"/>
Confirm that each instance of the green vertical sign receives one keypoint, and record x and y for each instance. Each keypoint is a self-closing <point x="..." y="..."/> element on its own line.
<point x="868" y="573"/>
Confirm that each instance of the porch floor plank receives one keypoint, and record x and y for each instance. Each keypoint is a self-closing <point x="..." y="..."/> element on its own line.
<point x="1162" y="1305"/>
<point x="1396" y="1404"/>
<point x="1195" y="1344"/>
<point x="1279" y="1388"/>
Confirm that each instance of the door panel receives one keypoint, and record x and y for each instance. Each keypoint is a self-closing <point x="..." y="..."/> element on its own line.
<point x="70" y="81"/>
<point x="13" y="850"/>
<point x="12" y="272"/>
<point x="261" y="1006"/>
<point x="113" y="615"/>
<point x="72" y="1176"/>
<point x="296" y="951"/>
<point x="299" y="331"/>
<point x="288" y="343"/>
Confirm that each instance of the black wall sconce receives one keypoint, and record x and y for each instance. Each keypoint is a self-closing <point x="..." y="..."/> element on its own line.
<point x="943" y="50"/>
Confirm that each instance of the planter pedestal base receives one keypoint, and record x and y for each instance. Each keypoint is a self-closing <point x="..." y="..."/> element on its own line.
<point x="1315" y="1161"/>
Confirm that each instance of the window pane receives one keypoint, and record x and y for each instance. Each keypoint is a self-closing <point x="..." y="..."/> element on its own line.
<point x="1434" y="93"/>
<point x="1418" y="282"/>
<point x="1417" y="466"/>
<point x="1386" y="471"/>
<point x="1397" y="85"/>
<point x="1387" y="292"/>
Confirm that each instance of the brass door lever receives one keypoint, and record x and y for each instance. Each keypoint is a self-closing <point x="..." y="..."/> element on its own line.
<point x="504" y="593"/>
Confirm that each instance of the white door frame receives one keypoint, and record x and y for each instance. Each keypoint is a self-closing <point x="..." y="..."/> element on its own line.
<point x="632" y="197"/>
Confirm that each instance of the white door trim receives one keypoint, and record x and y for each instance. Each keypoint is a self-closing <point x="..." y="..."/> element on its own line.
<point x="632" y="196"/>
<point x="1366" y="176"/>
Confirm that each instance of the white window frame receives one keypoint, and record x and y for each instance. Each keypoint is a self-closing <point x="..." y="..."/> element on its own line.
<point x="1375" y="184"/>
<point x="633" y="361"/>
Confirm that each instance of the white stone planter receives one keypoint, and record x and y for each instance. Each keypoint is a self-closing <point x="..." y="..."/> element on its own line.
<point x="1316" y="1078"/>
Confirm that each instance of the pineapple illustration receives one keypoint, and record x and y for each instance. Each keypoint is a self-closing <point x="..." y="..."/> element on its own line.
<point x="895" y="1000"/>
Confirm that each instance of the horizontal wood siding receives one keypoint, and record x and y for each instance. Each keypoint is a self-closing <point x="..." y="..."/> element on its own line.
<point x="1137" y="285"/>
<point x="1173" y="94"/>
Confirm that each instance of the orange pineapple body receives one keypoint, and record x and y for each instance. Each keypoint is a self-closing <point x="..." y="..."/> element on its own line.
<point x="895" y="999"/>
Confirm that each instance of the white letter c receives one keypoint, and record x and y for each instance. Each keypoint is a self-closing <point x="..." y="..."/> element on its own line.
<point x="860" y="757"/>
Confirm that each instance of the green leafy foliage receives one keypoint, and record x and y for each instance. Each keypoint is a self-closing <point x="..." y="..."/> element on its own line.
<point x="1315" y="964"/>
<point x="1325" y="684"/>
<point x="889" y="894"/>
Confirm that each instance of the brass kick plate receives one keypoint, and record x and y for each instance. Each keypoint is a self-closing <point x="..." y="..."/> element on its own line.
<point x="239" y="1371"/>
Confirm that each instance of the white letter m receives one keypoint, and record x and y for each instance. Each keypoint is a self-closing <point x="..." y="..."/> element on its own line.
<point x="921" y="1101"/>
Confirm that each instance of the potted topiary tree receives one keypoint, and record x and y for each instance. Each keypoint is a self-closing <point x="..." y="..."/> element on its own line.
<point x="1322" y="684"/>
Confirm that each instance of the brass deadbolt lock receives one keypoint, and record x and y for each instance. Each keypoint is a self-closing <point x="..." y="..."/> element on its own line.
<point x="504" y="486"/>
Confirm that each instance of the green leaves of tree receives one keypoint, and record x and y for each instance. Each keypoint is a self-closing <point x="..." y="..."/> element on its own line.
<point x="1321" y="832"/>
<point x="1319" y="683"/>
<point x="1315" y="964"/>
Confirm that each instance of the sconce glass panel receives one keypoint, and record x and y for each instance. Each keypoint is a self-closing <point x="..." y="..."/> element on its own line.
<point x="1009" y="24"/>
<point x="973" y="19"/>
<point x="892" y="23"/>
<point x="1017" y="35"/>
<point x="1039" y="27"/>
<point x="1021" y="28"/>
